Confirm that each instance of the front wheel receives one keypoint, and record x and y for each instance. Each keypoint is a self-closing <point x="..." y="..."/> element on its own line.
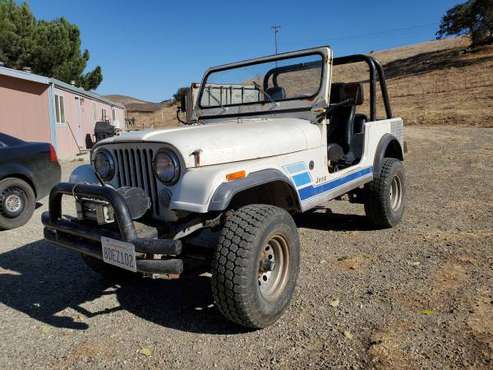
<point x="255" y="266"/>
<point x="385" y="195"/>
<point x="17" y="203"/>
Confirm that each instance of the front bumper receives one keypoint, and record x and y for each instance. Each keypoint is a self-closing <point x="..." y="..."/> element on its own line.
<point x="85" y="237"/>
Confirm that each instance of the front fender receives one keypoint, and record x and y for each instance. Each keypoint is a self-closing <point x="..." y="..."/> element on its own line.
<point x="205" y="189"/>
<point x="227" y="190"/>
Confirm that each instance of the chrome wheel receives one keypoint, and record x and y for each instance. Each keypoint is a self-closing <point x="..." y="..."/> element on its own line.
<point x="12" y="201"/>
<point x="17" y="203"/>
<point x="273" y="270"/>
<point x="395" y="194"/>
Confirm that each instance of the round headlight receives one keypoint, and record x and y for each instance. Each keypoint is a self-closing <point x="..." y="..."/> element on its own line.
<point x="104" y="164"/>
<point x="166" y="167"/>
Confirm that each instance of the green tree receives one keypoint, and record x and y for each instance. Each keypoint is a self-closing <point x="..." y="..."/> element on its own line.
<point x="17" y="27"/>
<point x="50" y="48"/>
<point x="474" y="18"/>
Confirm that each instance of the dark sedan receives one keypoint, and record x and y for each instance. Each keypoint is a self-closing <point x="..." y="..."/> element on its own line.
<point x="28" y="171"/>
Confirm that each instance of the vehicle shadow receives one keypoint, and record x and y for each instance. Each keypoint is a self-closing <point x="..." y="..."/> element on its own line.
<point x="329" y="221"/>
<point x="41" y="281"/>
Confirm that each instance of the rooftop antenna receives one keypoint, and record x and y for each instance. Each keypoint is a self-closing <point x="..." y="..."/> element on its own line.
<point x="276" y="30"/>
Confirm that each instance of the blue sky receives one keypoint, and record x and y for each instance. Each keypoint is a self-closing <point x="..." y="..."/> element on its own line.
<point x="150" y="48"/>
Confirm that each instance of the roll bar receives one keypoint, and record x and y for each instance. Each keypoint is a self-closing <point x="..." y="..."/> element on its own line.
<point x="376" y="70"/>
<point x="274" y="72"/>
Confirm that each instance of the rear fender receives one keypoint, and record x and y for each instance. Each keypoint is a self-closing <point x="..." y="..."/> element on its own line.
<point x="388" y="146"/>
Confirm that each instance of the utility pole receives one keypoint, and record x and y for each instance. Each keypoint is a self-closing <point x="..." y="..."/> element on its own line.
<point x="276" y="37"/>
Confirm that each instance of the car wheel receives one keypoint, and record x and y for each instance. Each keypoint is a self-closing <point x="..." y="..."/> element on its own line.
<point x="385" y="195"/>
<point x="106" y="271"/>
<point x="17" y="203"/>
<point x="255" y="266"/>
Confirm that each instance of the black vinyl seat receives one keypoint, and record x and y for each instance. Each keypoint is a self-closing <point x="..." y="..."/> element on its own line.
<point x="276" y="92"/>
<point x="345" y="128"/>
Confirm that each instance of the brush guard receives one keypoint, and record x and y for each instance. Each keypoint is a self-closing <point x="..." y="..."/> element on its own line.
<point x="85" y="237"/>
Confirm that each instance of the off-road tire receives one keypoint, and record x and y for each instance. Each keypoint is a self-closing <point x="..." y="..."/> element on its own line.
<point x="107" y="271"/>
<point x="25" y="197"/>
<point x="236" y="278"/>
<point x="380" y="208"/>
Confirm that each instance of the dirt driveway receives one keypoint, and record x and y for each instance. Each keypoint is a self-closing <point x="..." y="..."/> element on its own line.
<point x="420" y="295"/>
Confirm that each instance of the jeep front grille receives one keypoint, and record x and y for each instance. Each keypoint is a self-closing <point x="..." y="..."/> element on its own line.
<point x="134" y="168"/>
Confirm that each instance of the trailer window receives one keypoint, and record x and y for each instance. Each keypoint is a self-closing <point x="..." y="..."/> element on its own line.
<point x="59" y="109"/>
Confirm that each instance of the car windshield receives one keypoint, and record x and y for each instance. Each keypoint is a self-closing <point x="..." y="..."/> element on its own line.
<point x="298" y="77"/>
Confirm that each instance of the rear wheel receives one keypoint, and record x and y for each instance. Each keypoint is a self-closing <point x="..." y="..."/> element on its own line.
<point x="385" y="195"/>
<point x="256" y="265"/>
<point x="17" y="203"/>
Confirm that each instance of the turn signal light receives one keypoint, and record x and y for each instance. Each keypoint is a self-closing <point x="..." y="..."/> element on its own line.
<point x="235" y="175"/>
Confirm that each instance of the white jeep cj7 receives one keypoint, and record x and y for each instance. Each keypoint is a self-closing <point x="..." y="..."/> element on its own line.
<point x="271" y="137"/>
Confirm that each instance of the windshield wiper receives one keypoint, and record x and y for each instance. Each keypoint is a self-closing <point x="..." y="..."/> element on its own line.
<point x="259" y="88"/>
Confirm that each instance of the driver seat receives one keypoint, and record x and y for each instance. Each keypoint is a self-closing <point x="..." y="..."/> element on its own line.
<point x="276" y="92"/>
<point x="344" y="143"/>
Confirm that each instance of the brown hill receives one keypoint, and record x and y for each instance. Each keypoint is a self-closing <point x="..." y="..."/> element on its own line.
<point x="123" y="99"/>
<point x="436" y="82"/>
<point x="145" y="114"/>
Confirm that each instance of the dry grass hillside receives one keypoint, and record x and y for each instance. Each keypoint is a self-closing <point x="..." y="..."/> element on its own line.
<point x="146" y="114"/>
<point x="437" y="82"/>
<point x="432" y="83"/>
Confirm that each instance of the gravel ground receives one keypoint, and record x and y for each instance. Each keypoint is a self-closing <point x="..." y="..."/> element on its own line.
<point x="417" y="296"/>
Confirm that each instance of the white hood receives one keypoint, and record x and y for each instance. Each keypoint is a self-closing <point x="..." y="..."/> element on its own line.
<point x="232" y="141"/>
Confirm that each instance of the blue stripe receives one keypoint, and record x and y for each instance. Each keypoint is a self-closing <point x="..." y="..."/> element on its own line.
<point x="295" y="167"/>
<point x="311" y="191"/>
<point x="302" y="179"/>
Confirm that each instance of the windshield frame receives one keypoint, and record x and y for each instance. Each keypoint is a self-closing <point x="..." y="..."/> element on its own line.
<point x="272" y="58"/>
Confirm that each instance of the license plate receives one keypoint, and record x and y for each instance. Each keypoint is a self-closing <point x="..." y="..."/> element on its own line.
<point x="119" y="253"/>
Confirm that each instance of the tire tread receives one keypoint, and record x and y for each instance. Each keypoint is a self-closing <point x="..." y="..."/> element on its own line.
<point x="377" y="207"/>
<point x="231" y="263"/>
